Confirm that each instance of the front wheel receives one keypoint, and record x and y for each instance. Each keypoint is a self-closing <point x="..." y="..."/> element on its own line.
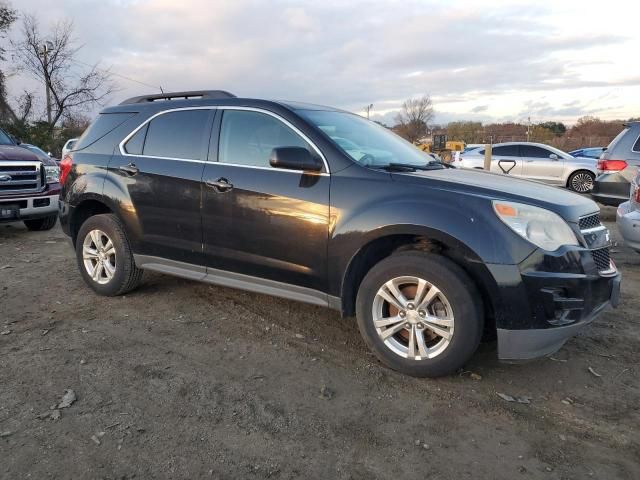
<point x="581" y="181"/>
<point x="420" y="314"/>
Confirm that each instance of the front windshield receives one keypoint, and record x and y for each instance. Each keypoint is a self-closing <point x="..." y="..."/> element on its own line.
<point x="40" y="153"/>
<point x="4" y="139"/>
<point x="366" y="142"/>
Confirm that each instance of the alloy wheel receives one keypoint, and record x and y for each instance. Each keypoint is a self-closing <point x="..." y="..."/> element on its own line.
<point x="99" y="256"/>
<point x="413" y="318"/>
<point x="582" y="182"/>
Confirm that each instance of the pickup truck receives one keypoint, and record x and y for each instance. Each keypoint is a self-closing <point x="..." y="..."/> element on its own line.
<point x="29" y="186"/>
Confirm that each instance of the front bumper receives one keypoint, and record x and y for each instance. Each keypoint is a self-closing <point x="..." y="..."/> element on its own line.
<point x="15" y="209"/>
<point x="514" y="345"/>
<point x="628" y="221"/>
<point x="547" y="299"/>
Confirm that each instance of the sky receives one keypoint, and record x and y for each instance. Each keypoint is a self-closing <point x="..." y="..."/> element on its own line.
<point x="478" y="60"/>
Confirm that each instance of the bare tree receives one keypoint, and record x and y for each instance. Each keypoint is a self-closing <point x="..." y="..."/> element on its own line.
<point x="414" y="118"/>
<point x="52" y="59"/>
<point x="7" y="17"/>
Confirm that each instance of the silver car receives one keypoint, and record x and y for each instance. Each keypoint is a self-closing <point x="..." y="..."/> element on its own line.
<point x="628" y="217"/>
<point x="536" y="161"/>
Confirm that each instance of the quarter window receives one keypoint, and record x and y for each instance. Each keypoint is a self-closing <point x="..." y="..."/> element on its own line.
<point x="636" y="147"/>
<point x="136" y="143"/>
<point x="177" y="134"/>
<point x="247" y="138"/>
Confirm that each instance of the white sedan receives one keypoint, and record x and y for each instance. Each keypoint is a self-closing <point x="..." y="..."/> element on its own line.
<point x="536" y="161"/>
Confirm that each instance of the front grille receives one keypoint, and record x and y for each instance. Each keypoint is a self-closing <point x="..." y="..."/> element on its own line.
<point x="20" y="177"/>
<point x="591" y="221"/>
<point x="602" y="259"/>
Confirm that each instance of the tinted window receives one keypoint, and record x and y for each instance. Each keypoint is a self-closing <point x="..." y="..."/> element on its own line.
<point x="136" y="143"/>
<point x="506" y="150"/>
<point x="105" y="123"/>
<point x="636" y="147"/>
<point x="177" y="134"/>
<point x="4" y="139"/>
<point x="532" y="151"/>
<point x="247" y="138"/>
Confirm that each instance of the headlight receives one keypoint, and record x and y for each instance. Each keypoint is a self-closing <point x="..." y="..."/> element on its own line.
<point x="541" y="227"/>
<point x="52" y="173"/>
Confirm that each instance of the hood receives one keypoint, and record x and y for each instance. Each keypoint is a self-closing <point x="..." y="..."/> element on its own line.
<point x="11" y="152"/>
<point x="493" y="186"/>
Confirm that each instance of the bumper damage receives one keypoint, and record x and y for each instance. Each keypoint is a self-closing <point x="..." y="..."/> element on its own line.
<point x="526" y="344"/>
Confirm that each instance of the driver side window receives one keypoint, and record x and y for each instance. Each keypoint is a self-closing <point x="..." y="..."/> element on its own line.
<point x="247" y="138"/>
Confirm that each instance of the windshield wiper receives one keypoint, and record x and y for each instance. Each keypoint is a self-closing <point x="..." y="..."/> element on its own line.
<point x="407" y="167"/>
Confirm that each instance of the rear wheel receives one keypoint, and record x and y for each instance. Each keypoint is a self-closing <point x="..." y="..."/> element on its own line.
<point x="104" y="256"/>
<point x="420" y="314"/>
<point x="581" y="181"/>
<point x="41" y="224"/>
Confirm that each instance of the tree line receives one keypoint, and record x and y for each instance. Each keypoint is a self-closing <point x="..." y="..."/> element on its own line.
<point x="414" y="124"/>
<point x="72" y="88"/>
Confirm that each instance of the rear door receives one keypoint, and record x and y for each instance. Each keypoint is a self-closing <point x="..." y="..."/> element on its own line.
<point x="266" y="223"/>
<point x="161" y="167"/>
<point x="506" y="159"/>
<point x="542" y="164"/>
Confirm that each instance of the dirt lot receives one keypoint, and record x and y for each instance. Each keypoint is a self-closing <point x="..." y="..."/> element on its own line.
<point x="186" y="380"/>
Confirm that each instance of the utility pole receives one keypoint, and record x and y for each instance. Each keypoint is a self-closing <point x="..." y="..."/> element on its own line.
<point x="47" y="47"/>
<point x="368" y="109"/>
<point x="528" y="128"/>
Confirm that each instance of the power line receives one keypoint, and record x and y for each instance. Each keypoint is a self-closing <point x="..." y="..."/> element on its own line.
<point x="115" y="74"/>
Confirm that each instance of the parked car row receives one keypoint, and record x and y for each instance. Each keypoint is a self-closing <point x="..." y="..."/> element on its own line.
<point x="536" y="161"/>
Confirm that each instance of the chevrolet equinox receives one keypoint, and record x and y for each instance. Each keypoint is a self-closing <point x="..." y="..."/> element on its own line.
<point x="323" y="206"/>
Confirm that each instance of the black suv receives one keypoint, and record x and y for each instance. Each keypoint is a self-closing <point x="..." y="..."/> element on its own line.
<point x="322" y="206"/>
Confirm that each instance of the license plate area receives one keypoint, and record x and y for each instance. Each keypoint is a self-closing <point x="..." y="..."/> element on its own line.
<point x="9" y="210"/>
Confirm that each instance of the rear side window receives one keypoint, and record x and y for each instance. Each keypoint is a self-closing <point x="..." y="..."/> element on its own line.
<point x="105" y="123"/>
<point x="507" y="151"/>
<point x="247" y="138"/>
<point x="615" y="141"/>
<point x="174" y="135"/>
<point x="636" y="146"/>
<point x="532" y="151"/>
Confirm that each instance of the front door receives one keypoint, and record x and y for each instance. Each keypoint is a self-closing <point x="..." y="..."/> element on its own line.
<point x="506" y="160"/>
<point x="261" y="221"/>
<point x="161" y="168"/>
<point x="542" y="164"/>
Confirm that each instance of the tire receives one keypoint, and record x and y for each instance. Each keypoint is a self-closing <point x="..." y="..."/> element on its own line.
<point x="581" y="181"/>
<point x="41" y="224"/>
<point x="457" y="303"/>
<point x="125" y="276"/>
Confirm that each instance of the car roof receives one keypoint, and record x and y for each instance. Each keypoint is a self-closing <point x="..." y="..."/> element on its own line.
<point x="165" y="101"/>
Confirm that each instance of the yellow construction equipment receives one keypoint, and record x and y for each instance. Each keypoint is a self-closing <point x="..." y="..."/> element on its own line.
<point x="441" y="146"/>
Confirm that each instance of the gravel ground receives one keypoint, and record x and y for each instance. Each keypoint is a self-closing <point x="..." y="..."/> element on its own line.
<point x="186" y="380"/>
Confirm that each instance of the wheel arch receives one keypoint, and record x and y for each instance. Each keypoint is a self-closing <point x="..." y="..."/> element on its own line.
<point x="419" y="239"/>
<point x="87" y="207"/>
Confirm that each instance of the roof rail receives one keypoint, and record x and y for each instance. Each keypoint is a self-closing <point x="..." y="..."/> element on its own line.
<point x="195" y="94"/>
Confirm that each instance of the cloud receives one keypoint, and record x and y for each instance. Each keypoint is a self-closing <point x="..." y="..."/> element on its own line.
<point x="342" y="54"/>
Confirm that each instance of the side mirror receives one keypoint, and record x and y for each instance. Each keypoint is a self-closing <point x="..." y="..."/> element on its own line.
<point x="553" y="156"/>
<point x="294" y="158"/>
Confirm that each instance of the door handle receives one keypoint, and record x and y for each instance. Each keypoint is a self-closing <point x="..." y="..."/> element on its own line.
<point x="220" y="185"/>
<point x="130" y="169"/>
